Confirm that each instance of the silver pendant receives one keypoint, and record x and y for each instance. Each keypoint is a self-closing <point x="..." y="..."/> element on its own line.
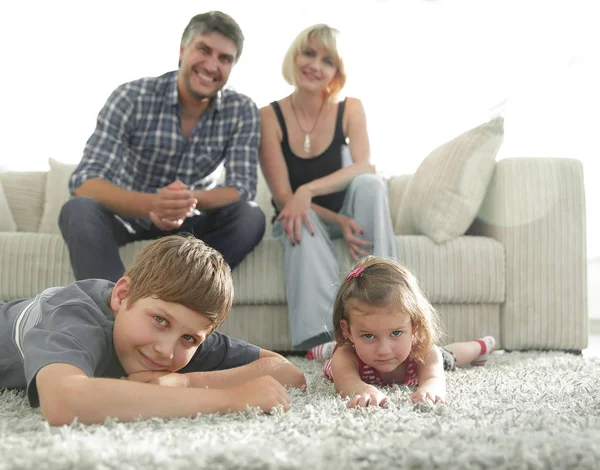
<point x="307" y="143"/>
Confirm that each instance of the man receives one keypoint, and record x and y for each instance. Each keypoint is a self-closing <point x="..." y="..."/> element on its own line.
<point x="150" y="168"/>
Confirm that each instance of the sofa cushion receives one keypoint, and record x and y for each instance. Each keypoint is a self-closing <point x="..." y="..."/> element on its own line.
<point x="57" y="193"/>
<point x="465" y="270"/>
<point x="397" y="185"/>
<point x="444" y="195"/>
<point x="24" y="191"/>
<point x="7" y="223"/>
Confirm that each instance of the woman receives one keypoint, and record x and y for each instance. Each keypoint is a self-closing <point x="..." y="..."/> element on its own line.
<point x="318" y="195"/>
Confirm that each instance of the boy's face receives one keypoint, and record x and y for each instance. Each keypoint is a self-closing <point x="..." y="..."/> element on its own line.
<point x="154" y="335"/>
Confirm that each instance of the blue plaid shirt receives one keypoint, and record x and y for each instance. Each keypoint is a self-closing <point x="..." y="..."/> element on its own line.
<point x="138" y="143"/>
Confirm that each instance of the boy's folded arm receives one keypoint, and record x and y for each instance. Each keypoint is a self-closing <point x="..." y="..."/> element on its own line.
<point x="66" y="392"/>
<point x="269" y="363"/>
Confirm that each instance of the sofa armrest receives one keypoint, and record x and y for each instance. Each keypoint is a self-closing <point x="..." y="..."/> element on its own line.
<point x="536" y="208"/>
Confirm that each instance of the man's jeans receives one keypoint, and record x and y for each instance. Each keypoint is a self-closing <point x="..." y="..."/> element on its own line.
<point x="94" y="234"/>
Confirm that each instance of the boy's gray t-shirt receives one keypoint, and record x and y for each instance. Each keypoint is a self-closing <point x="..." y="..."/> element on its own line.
<point x="74" y="325"/>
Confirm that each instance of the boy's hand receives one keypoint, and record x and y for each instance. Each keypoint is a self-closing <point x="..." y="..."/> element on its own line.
<point x="368" y="395"/>
<point x="165" y="378"/>
<point x="264" y="392"/>
<point x="423" y="394"/>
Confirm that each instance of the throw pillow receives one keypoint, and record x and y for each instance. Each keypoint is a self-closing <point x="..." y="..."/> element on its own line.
<point x="57" y="193"/>
<point x="445" y="193"/>
<point x="7" y="223"/>
<point x="397" y="185"/>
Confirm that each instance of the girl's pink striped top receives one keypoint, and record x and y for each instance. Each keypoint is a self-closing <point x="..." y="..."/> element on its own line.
<point x="372" y="376"/>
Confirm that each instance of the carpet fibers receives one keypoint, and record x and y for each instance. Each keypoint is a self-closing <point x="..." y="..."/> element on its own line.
<point x="522" y="411"/>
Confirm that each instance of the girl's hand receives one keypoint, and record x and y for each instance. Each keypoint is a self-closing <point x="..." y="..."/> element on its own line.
<point x="350" y="229"/>
<point x="368" y="395"/>
<point x="422" y="394"/>
<point x="295" y="213"/>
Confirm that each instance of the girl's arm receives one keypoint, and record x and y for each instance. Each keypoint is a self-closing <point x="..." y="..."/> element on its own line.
<point x="269" y="363"/>
<point x="66" y="393"/>
<point x="432" y="380"/>
<point x="347" y="381"/>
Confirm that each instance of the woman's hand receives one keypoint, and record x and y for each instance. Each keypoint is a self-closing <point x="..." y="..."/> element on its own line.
<point x="295" y="213"/>
<point x="350" y="228"/>
<point x="368" y="395"/>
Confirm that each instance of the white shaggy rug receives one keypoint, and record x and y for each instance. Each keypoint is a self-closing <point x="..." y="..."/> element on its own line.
<point x="523" y="411"/>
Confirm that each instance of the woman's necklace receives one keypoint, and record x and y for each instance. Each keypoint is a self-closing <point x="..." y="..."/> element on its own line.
<point x="306" y="134"/>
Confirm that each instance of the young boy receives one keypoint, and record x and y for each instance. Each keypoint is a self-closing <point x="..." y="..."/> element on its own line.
<point x="155" y="327"/>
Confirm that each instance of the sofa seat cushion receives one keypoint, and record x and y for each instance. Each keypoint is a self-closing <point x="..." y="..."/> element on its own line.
<point x="257" y="280"/>
<point x="467" y="269"/>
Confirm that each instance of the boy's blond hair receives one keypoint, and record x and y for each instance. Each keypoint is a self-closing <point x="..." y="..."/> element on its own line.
<point x="326" y="38"/>
<point x="384" y="282"/>
<point x="183" y="270"/>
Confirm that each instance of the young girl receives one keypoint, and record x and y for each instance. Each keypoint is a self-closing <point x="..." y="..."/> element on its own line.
<point x="386" y="332"/>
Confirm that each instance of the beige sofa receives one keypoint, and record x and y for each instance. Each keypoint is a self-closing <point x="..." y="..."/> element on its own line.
<point x="519" y="271"/>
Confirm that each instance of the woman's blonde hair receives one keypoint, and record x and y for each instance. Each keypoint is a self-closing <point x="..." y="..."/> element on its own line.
<point x="324" y="37"/>
<point x="382" y="282"/>
<point x="183" y="270"/>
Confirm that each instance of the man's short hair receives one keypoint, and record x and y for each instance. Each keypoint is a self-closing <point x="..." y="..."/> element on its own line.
<point x="211" y="22"/>
<point x="183" y="270"/>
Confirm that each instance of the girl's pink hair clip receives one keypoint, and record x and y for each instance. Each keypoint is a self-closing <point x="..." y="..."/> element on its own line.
<point x="355" y="273"/>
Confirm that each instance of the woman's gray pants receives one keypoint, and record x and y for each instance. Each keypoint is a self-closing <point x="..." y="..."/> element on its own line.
<point x="312" y="268"/>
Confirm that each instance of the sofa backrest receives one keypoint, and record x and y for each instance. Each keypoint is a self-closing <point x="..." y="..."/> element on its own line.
<point x="35" y="198"/>
<point x="442" y="200"/>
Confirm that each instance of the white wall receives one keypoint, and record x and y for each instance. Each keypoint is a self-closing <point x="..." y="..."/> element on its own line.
<point x="425" y="70"/>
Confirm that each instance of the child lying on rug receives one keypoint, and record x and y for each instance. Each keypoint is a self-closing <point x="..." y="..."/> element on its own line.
<point x="385" y="333"/>
<point x="157" y="325"/>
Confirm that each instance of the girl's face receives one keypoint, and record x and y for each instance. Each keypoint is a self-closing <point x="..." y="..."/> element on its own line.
<point x="382" y="336"/>
<point x="315" y="68"/>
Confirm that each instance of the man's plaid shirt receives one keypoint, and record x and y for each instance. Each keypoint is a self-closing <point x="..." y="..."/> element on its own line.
<point x="138" y="143"/>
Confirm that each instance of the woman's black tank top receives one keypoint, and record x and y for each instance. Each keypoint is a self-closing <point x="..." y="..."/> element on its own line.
<point x="303" y="170"/>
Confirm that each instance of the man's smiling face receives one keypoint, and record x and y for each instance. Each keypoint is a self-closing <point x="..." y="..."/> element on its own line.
<point x="205" y="65"/>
